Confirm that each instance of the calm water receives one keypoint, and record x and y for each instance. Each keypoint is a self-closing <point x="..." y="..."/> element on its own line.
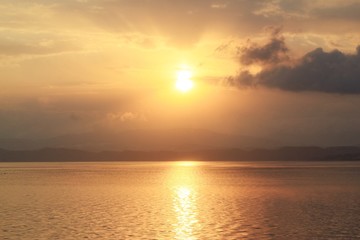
<point x="184" y="200"/>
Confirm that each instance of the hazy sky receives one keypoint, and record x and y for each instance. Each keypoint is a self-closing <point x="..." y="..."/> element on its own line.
<point x="281" y="69"/>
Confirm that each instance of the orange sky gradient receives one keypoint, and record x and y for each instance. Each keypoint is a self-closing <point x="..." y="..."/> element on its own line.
<point x="72" y="66"/>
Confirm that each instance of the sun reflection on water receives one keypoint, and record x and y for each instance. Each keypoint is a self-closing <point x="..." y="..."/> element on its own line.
<point x="187" y="163"/>
<point x="186" y="213"/>
<point x="183" y="181"/>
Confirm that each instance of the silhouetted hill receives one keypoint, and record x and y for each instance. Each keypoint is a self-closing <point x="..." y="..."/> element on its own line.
<point x="280" y="154"/>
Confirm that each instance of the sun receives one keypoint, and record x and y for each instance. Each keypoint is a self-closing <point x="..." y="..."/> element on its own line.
<point x="184" y="82"/>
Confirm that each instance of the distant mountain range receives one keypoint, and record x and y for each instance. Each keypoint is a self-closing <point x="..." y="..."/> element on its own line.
<point x="280" y="154"/>
<point x="143" y="140"/>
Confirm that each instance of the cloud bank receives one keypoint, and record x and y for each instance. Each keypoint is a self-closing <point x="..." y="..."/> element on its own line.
<point x="317" y="70"/>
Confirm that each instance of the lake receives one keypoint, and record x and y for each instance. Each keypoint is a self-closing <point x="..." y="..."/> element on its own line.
<point x="180" y="200"/>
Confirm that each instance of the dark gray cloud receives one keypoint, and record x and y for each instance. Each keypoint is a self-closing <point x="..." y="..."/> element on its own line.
<point x="319" y="71"/>
<point x="272" y="52"/>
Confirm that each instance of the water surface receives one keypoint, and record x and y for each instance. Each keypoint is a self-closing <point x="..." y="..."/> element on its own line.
<point x="182" y="200"/>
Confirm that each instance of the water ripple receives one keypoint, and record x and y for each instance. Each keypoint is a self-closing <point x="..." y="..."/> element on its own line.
<point x="186" y="201"/>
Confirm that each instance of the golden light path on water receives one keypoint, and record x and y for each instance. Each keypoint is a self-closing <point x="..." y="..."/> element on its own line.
<point x="183" y="183"/>
<point x="180" y="200"/>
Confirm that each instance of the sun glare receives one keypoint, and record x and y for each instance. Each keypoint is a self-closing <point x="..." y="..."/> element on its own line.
<point x="184" y="82"/>
<point x="187" y="163"/>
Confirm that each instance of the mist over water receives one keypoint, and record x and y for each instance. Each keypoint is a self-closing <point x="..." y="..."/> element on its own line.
<point x="180" y="200"/>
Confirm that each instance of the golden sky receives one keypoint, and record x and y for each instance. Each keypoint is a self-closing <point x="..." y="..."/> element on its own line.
<point x="259" y="68"/>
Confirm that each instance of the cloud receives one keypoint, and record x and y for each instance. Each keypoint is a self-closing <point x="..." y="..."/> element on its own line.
<point x="318" y="70"/>
<point x="345" y="12"/>
<point x="180" y="23"/>
<point x="272" y="52"/>
<point x="126" y="117"/>
<point x="11" y="48"/>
